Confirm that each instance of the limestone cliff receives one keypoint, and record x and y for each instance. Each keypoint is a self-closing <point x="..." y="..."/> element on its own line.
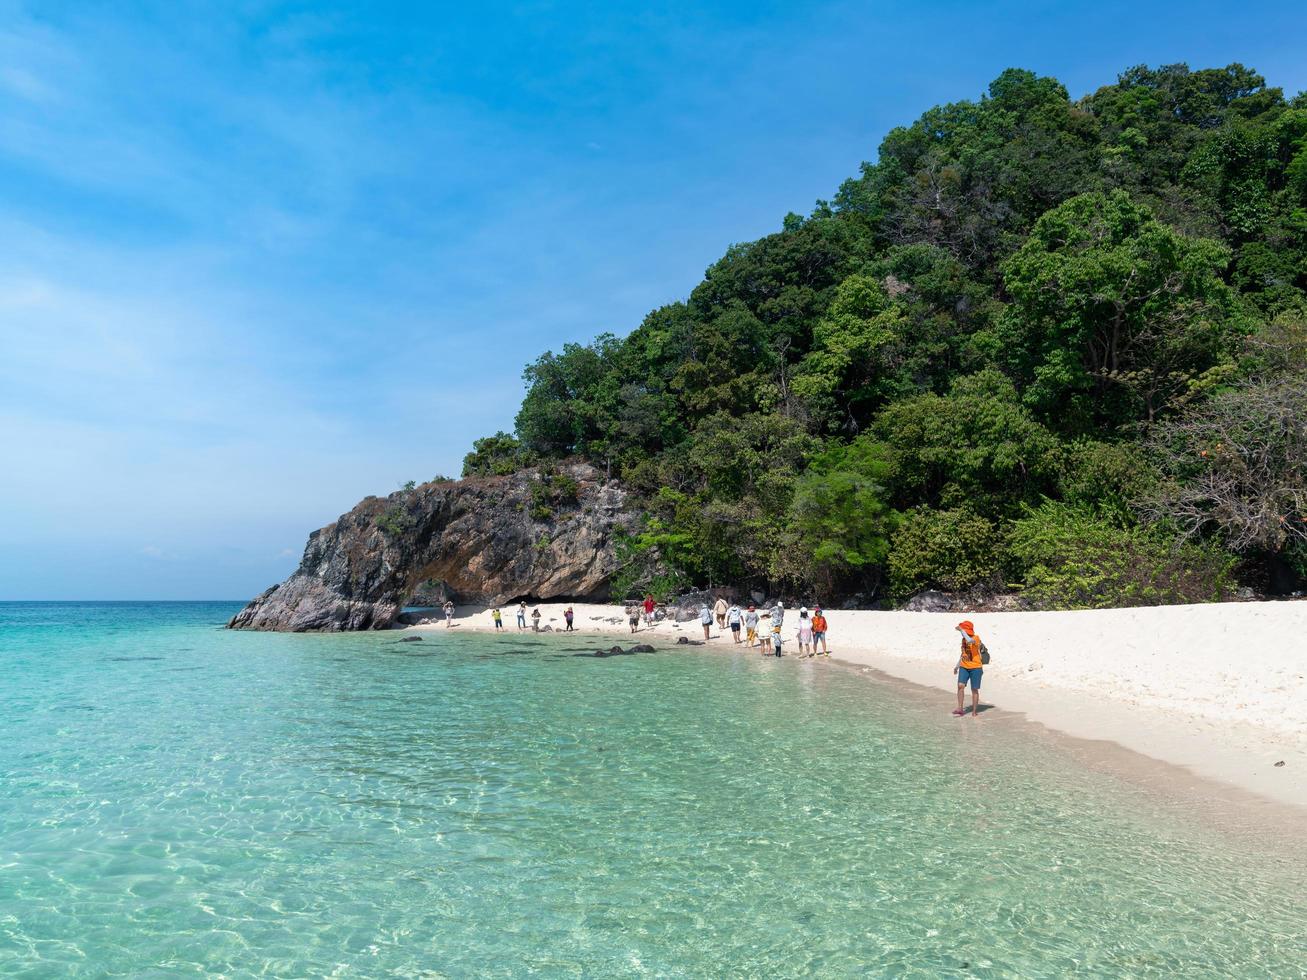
<point x="488" y="539"/>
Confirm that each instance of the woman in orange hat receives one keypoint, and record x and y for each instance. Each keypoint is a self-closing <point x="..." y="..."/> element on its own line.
<point x="969" y="668"/>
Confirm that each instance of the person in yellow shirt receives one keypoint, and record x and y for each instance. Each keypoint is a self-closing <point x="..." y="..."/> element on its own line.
<point x="969" y="668"/>
<point x="498" y="618"/>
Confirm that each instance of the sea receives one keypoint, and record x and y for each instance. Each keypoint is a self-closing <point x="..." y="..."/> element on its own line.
<point x="177" y="799"/>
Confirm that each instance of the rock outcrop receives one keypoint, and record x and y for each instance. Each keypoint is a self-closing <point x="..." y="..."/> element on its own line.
<point x="487" y="539"/>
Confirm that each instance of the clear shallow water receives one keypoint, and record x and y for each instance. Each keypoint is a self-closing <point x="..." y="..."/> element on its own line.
<point x="177" y="798"/>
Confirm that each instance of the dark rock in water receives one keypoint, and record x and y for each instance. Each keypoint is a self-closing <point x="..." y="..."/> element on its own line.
<point x="410" y="639"/>
<point x="682" y="641"/>
<point x="930" y="601"/>
<point x="641" y="648"/>
<point x="477" y="537"/>
<point x="610" y="652"/>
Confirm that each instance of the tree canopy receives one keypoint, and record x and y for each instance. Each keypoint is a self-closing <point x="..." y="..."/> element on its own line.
<point x="999" y="350"/>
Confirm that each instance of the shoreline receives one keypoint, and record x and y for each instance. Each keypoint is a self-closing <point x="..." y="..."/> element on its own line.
<point x="1212" y="689"/>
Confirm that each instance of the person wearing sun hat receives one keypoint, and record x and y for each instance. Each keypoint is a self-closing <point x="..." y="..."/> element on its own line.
<point x="970" y="667"/>
<point x="818" y="631"/>
<point x="806" y="647"/>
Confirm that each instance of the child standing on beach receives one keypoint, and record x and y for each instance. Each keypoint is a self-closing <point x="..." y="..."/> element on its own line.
<point x="775" y="640"/>
<point x="567" y="615"/>
<point x="497" y="617"/>
<point x="970" y="667"/>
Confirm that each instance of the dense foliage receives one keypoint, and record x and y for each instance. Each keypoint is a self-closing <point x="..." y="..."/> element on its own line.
<point x="1045" y="344"/>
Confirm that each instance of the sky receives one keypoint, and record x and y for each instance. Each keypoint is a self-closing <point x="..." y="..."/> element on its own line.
<point x="260" y="260"/>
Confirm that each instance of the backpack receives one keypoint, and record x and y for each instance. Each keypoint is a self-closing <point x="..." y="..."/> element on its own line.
<point x="984" y="653"/>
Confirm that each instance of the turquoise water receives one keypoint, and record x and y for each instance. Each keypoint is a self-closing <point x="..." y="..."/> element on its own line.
<point x="181" y="799"/>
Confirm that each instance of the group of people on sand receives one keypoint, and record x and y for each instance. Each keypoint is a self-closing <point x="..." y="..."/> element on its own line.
<point x="498" y="617"/>
<point x="810" y="630"/>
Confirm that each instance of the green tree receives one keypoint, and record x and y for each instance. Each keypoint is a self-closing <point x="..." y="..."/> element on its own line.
<point x="839" y="516"/>
<point x="855" y="351"/>
<point x="1114" y="316"/>
<point x="976" y="446"/>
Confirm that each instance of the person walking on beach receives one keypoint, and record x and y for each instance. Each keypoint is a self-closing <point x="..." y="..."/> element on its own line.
<point x="535" y="620"/>
<point x="521" y="615"/>
<point x="719" y="610"/>
<point x="970" y="667"/>
<point x="567" y="615"/>
<point x="633" y="615"/>
<point x="734" y="618"/>
<point x="498" y="617"/>
<point x="751" y="625"/>
<point x="818" y="631"/>
<point x="778" y="613"/>
<point x="449" y="612"/>
<point x="806" y="647"/>
<point x="649" y="605"/>
<point x="705" y="619"/>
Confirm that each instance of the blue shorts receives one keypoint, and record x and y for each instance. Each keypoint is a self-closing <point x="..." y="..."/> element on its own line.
<point x="819" y="634"/>
<point x="970" y="674"/>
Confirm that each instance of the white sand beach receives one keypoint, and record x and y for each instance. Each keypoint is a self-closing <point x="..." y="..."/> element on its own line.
<point x="1217" y="689"/>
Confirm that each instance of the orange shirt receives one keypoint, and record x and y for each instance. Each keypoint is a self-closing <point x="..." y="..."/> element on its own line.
<point x="819" y="624"/>
<point x="970" y="652"/>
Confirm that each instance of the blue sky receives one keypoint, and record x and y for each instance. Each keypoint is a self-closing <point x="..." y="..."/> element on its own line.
<point x="258" y="260"/>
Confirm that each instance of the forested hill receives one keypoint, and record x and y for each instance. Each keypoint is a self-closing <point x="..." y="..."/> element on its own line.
<point x="1049" y="345"/>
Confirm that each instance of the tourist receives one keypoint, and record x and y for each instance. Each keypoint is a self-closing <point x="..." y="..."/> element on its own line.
<point x="775" y="639"/>
<point x="805" y="634"/>
<point x="818" y="631"/>
<point x="719" y="610"/>
<point x="970" y="667"/>
<point x="497" y="617"/>
<point x="777" y="613"/>
<point x="751" y="625"/>
<point x="705" y="619"/>
<point x="535" y="620"/>
<point x="649" y="605"/>
<point x="449" y="612"/>
<point x="734" y="618"/>
<point x="567" y="615"/>
<point x="633" y="614"/>
<point x="521" y="615"/>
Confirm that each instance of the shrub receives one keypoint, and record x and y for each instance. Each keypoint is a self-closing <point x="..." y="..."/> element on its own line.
<point x="1109" y="476"/>
<point x="394" y="521"/>
<point x="945" y="549"/>
<point x="1072" y="558"/>
<point x="496" y="455"/>
<point x="551" y="491"/>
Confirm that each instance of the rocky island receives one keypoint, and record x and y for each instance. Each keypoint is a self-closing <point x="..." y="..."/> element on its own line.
<point x="489" y="539"/>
